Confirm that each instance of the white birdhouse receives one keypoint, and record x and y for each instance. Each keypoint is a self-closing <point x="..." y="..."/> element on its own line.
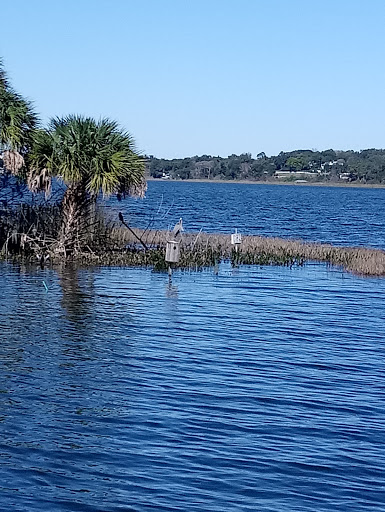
<point x="236" y="238"/>
<point x="172" y="252"/>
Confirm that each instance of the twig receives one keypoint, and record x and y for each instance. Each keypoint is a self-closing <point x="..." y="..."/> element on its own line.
<point x="195" y="241"/>
<point x="133" y="232"/>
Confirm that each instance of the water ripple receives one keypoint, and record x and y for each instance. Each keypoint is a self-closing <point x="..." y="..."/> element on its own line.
<point x="341" y="216"/>
<point x="255" y="389"/>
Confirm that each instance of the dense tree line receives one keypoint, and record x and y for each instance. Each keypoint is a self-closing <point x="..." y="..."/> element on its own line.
<point x="366" y="166"/>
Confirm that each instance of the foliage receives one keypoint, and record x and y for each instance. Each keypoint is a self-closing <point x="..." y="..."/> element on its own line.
<point x="18" y="121"/>
<point x="17" y="117"/>
<point x="366" y="166"/>
<point x="95" y="155"/>
<point x="91" y="158"/>
<point x="3" y="76"/>
<point x="297" y="163"/>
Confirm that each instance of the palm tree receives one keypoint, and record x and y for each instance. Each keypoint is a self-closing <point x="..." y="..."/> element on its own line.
<point x="91" y="158"/>
<point x="17" y="124"/>
<point x="3" y="75"/>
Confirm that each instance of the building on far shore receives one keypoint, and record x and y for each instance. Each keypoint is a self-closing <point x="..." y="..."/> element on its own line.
<point x="290" y="174"/>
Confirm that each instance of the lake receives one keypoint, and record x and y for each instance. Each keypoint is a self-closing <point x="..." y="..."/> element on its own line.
<point x="339" y="215"/>
<point x="251" y="389"/>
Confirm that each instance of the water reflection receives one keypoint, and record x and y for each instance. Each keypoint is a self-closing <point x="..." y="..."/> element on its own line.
<point x="78" y="293"/>
<point x="137" y="390"/>
<point x="172" y="291"/>
<point x="77" y="326"/>
<point x="172" y="301"/>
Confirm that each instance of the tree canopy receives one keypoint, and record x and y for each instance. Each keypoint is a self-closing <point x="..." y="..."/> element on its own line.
<point x="95" y="155"/>
<point x="366" y="166"/>
<point x="18" y="121"/>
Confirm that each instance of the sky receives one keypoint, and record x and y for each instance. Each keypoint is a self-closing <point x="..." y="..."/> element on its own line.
<point x="217" y="77"/>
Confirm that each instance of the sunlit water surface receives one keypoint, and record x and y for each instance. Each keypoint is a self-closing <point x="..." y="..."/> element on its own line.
<point x="338" y="215"/>
<point x="257" y="389"/>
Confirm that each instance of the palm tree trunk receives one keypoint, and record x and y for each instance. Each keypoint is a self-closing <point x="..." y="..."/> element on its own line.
<point x="74" y="219"/>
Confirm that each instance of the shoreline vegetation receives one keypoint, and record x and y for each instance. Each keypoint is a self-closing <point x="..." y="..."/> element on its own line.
<point x="106" y="244"/>
<point x="200" y="250"/>
<point x="89" y="157"/>
<point x="302" y="166"/>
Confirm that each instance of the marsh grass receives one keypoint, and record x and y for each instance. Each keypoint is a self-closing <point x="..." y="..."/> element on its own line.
<point x="203" y="250"/>
<point x="31" y="232"/>
<point x="28" y="229"/>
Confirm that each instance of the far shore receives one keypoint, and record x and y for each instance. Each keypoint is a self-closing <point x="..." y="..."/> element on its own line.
<point x="252" y="182"/>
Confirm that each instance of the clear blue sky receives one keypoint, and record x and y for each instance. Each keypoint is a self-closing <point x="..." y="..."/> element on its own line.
<point x="206" y="76"/>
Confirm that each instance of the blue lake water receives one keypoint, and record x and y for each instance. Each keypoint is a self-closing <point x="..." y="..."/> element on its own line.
<point x="338" y="215"/>
<point x="256" y="389"/>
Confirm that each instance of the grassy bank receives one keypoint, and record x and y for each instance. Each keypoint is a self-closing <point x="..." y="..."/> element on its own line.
<point x="203" y="249"/>
<point x="32" y="234"/>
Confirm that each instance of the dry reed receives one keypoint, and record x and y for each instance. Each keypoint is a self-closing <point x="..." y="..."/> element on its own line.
<point x="203" y="249"/>
<point x="31" y="232"/>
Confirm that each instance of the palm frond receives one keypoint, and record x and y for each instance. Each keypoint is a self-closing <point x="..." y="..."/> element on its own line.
<point x="3" y="76"/>
<point x="97" y="154"/>
<point x="17" y="121"/>
<point x="13" y="162"/>
<point x="40" y="181"/>
<point x="41" y="162"/>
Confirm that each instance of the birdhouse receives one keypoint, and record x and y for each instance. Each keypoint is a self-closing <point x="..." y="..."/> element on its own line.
<point x="172" y="252"/>
<point x="236" y="238"/>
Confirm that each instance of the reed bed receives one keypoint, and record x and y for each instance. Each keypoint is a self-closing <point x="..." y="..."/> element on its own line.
<point x="31" y="233"/>
<point x="203" y="250"/>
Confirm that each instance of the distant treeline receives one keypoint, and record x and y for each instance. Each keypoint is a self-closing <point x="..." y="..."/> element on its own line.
<point x="366" y="166"/>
